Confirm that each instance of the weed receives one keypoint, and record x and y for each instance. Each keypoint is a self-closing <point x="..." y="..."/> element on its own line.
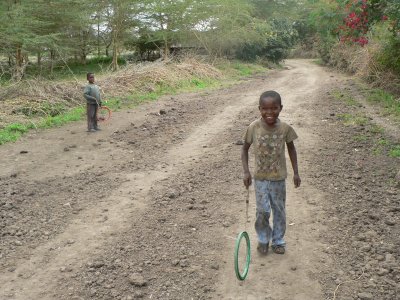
<point x="346" y="98"/>
<point x="376" y="129"/>
<point x="199" y="83"/>
<point x="388" y="147"/>
<point x="12" y="132"/>
<point x="244" y="70"/>
<point x="360" y="138"/>
<point x="395" y="151"/>
<point x="383" y="142"/>
<point x="388" y="101"/>
<point x="239" y="69"/>
<point x="351" y="120"/>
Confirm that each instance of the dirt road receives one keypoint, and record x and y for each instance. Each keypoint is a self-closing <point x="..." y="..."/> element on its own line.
<point x="149" y="207"/>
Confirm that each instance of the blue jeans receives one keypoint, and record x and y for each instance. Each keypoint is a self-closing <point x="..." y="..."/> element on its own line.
<point x="270" y="195"/>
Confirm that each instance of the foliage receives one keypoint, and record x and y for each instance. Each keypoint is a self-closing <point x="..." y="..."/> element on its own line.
<point x="389" y="57"/>
<point x="276" y="39"/>
<point x="361" y="15"/>
<point x="323" y="20"/>
<point x="395" y="151"/>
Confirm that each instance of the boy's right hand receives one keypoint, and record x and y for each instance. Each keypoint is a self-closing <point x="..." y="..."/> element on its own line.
<point x="247" y="179"/>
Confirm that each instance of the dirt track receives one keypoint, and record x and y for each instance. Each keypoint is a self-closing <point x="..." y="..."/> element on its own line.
<point x="150" y="206"/>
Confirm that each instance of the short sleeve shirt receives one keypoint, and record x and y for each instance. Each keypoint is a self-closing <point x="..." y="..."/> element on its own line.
<point x="269" y="148"/>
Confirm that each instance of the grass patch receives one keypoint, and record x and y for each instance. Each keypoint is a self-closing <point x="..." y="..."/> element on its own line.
<point x="351" y="120"/>
<point x="360" y="138"/>
<point x="244" y="70"/>
<point x="190" y="85"/>
<point x="13" y="132"/>
<point x="390" y="103"/>
<point x="376" y="129"/>
<point x="346" y="98"/>
<point x="239" y="69"/>
<point x="395" y="151"/>
<point x="75" y="114"/>
<point x="385" y="146"/>
<point x="318" y="62"/>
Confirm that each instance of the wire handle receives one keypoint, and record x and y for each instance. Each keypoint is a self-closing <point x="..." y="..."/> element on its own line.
<point x="247" y="207"/>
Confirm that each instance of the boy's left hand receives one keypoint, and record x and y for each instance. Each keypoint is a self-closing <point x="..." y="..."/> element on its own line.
<point x="296" y="180"/>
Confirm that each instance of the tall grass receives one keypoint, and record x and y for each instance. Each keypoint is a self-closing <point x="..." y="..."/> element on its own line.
<point x="385" y="99"/>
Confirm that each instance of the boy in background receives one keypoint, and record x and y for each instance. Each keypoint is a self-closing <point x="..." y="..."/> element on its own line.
<point x="93" y="102"/>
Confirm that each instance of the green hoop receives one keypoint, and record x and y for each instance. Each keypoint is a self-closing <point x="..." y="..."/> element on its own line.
<point x="242" y="276"/>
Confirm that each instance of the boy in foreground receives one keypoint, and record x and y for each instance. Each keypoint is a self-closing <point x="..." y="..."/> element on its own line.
<point x="269" y="136"/>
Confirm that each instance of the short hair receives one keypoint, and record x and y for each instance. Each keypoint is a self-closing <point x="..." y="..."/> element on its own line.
<point x="88" y="74"/>
<point x="271" y="94"/>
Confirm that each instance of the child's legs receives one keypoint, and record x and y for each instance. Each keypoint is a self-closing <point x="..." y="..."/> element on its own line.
<point x="91" y="115"/>
<point x="278" y="200"/>
<point x="88" y="115"/>
<point x="263" y="210"/>
<point x="96" y="108"/>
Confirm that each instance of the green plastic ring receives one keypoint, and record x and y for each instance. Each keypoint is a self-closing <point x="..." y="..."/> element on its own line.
<point x="242" y="276"/>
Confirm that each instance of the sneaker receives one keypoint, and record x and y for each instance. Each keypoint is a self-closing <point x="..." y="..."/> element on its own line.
<point x="278" y="249"/>
<point x="262" y="248"/>
<point x="97" y="129"/>
<point x="91" y="130"/>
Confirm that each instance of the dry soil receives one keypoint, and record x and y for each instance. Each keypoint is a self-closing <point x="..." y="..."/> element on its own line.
<point x="149" y="207"/>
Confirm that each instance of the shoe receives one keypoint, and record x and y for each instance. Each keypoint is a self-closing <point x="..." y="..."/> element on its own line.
<point x="278" y="249"/>
<point x="97" y="129"/>
<point x="262" y="248"/>
<point x="91" y="130"/>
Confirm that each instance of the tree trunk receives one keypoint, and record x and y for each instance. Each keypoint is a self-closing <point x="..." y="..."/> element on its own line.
<point x="52" y="58"/>
<point x="166" y="50"/>
<point x="39" y="59"/>
<point x="98" y="36"/>
<point x="83" y="57"/>
<point x="114" y="64"/>
<point x="19" y="59"/>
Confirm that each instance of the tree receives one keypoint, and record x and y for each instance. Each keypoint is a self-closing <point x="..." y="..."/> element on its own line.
<point x="223" y="26"/>
<point x="34" y="26"/>
<point x="170" y="21"/>
<point x="123" y="17"/>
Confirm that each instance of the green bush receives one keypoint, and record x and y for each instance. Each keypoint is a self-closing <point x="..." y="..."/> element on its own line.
<point x="277" y="38"/>
<point x="389" y="57"/>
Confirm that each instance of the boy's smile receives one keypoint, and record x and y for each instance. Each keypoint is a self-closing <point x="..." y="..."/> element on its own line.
<point x="270" y="109"/>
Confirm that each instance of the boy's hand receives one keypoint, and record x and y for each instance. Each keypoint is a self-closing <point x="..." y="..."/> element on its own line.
<point x="247" y="179"/>
<point x="296" y="180"/>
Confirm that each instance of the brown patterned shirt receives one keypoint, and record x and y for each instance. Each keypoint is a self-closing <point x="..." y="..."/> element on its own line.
<point x="269" y="148"/>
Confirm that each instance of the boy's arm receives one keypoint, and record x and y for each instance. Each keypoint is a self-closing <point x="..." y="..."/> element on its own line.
<point x="245" y="164"/>
<point x="86" y="94"/>
<point x="293" y="159"/>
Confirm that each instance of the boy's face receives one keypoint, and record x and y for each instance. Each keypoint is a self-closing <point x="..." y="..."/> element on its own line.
<point x="270" y="109"/>
<point x="91" y="78"/>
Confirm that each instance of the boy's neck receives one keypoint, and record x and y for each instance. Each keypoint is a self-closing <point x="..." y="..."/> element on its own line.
<point x="270" y="126"/>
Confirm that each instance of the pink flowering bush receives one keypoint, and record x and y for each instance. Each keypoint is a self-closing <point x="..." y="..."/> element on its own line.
<point x="360" y="15"/>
